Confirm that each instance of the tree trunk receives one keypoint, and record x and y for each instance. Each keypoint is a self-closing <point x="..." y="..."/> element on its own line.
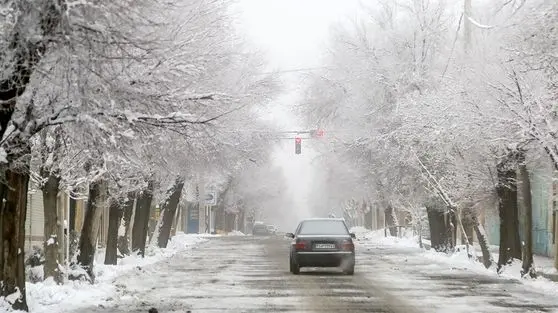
<point x="527" y="267"/>
<point x="12" y="257"/>
<point x="141" y="219"/>
<point x="169" y="211"/>
<point x="438" y="231"/>
<point x="468" y="224"/>
<point x="510" y="246"/>
<point x="72" y="209"/>
<point x="123" y="239"/>
<point x="90" y="228"/>
<point x="390" y="220"/>
<point x="483" y="241"/>
<point x="73" y="235"/>
<point x="555" y="235"/>
<point x="51" y="228"/>
<point x="451" y="228"/>
<point x="115" y="214"/>
<point x="240" y="221"/>
<point x="3" y="195"/>
<point x="368" y="217"/>
<point x="184" y="216"/>
<point x="176" y="220"/>
<point x="13" y="208"/>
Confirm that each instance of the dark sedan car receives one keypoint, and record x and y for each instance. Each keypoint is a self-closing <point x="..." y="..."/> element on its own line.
<point x="323" y="242"/>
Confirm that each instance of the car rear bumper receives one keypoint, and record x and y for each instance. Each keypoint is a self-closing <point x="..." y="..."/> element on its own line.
<point x="324" y="259"/>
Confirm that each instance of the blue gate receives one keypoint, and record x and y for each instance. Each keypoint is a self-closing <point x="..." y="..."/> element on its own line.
<point x="540" y="192"/>
<point x="492" y="225"/>
<point x="193" y="220"/>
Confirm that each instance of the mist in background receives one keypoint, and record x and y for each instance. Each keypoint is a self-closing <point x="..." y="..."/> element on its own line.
<point x="294" y="34"/>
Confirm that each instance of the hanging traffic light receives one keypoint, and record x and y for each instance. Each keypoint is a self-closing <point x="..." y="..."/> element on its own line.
<point x="298" y="145"/>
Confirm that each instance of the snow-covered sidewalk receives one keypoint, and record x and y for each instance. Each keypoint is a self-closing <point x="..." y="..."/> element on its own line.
<point x="367" y="238"/>
<point x="543" y="265"/>
<point x="47" y="296"/>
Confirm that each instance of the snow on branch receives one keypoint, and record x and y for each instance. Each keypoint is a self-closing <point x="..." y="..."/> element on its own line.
<point x="479" y="25"/>
<point x="441" y="191"/>
<point x="209" y="96"/>
<point x="175" y="118"/>
<point x="26" y="126"/>
<point x="483" y="26"/>
<point x="171" y="119"/>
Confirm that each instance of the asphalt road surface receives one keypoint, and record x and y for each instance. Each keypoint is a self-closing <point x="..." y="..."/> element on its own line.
<point x="250" y="274"/>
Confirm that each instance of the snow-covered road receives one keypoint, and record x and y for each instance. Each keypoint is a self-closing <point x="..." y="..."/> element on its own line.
<point x="248" y="274"/>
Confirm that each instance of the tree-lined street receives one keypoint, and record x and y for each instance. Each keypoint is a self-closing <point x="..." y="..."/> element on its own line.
<point x="126" y="124"/>
<point x="250" y="274"/>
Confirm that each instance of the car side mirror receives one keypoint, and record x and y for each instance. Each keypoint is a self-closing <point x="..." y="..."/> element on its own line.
<point x="289" y="235"/>
<point x="353" y="235"/>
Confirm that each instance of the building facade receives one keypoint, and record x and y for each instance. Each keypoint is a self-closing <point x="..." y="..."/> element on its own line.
<point x="544" y="191"/>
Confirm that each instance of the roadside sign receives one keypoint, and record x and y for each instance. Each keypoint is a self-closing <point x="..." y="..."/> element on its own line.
<point x="211" y="198"/>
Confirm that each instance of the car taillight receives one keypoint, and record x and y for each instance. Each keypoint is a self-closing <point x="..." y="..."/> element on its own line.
<point x="347" y="245"/>
<point x="301" y="245"/>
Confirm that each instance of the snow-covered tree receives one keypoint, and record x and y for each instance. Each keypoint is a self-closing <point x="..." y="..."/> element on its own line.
<point x="143" y="93"/>
<point x="424" y="119"/>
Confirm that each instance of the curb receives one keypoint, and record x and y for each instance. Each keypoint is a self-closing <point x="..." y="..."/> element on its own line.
<point x="552" y="277"/>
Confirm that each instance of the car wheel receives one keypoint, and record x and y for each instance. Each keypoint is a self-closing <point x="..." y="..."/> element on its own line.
<point x="350" y="270"/>
<point x="295" y="269"/>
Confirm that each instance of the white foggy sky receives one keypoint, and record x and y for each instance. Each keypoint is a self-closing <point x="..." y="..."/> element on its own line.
<point x="293" y="34"/>
<point x="293" y="31"/>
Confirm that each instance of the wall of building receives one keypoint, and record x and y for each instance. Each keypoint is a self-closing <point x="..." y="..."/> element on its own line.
<point x="34" y="222"/>
<point x="543" y="205"/>
<point x="541" y="192"/>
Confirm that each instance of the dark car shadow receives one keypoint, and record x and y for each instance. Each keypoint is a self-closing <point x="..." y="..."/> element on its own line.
<point x="322" y="272"/>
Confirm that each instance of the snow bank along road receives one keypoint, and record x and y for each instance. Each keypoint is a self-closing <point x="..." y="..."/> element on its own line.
<point x="249" y="274"/>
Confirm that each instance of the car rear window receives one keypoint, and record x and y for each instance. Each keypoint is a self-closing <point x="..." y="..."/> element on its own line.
<point x="323" y="228"/>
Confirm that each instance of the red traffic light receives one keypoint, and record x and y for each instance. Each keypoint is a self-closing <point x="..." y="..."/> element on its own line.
<point x="298" y="145"/>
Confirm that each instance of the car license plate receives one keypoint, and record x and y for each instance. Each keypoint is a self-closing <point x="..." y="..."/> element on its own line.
<point x="324" y="246"/>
